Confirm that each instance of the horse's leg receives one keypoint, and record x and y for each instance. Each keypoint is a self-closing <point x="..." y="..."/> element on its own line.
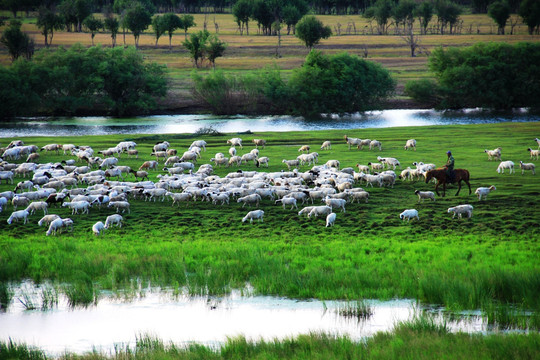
<point x="443" y="189"/>
<point x="436" y="188"/>
<point x="468" y="183"/>
<point x="459" y="187"/>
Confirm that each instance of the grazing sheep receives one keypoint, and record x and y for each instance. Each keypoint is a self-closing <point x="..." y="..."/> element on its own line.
<point x="149" y="165"/>
<point x="291" y="163"/>
<point x="255" y="214"/>
<point x="330" y="219"/>
<point x="288" y="201"/>
<point x="494" y="154"/>
<point x="261" y="161"/>
<point x="220" y="161"/>
<point x="47" y="219"/>
<point x="460" y="210"/>
<point x="327" y="145"/>
<point x="235" y="142"/>
<point x="52" y="147"/>
<point x="375" y="144"/>
<point x="320" y="211"/>
<point x="250" y="199"/>
<point x="37" y="205"/>
<point x="538" y="141"/>
<point x="506" y="165"/>
<point x="124" y="205"/>
<point x="484" y="191"/>
<point x="248" y="157"/>
<point x="75" y="206"/>
<point x="172" y="152"/>
<point x="140" y="174"/>
<point x="232" y="151"/>
<point x="189" y="156"/>
<point x="19" y="201"/>
<point x="24" y="185"/>
<point x="55" y="226"/>
<point x="18" y="215"/>
<point x="534" y="153"/>
<point x="6" y="175"/>
<point x="409" y="214"/>
<point x="304" y="148"/>
<point x="236" y="160"/>
<point x="133" y="152"/>
<point x="34" y="157"/>
<point x="179" y="197"/>
<point x="425" y="195"/>
<point x="335" y="203"/>
<point x="259" y="142"/>
<point x="358" y="195"/>
<point x="198" y="143"/>
<point x="389" y="161"/>
<point x="376" y="166"/>
<point x="371" y="179"/>
<point x="172" y="160"/>
<point x="306" y="210"/>
<point x="411" y="144"/>
<point x="98" y="228"/>
<point x="161" y="146"/>
<point x="333" y="163"/>
<point x="352" y="141"/>
<point x="108" y="163"/>
<point x="363" y="168"/>
<point x="222" y="197"/>
<point x="115" y="219"/>
<point x="527" y="166"/>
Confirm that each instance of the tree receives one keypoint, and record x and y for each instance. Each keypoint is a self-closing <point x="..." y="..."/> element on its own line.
<point x="448" y="14"/>
<point x="93" y="25"/>
<point x="48" y="21"/>
<point x="424" y="12"/>
<point x="337" y="84"/>
<point x="111" y="23"/>
<point x="188" y="21"/>
<point x="17" y="42"/>
<point x="241" y="12"/>
<point x="196" y="46"/>
<point x="137" y="19"/>
<point x="310" y="31"/>
<point x="529" y="10"/>
<point x="171" y="22"/>
<point x="83" y="9"/>
<point x="499" y="11"/>
<point x="159" y="27"/>
<point x="11" y="5"/>
<point x="215" y="49"/>
<point x="403" y="13"/>
<point x="291" y="16"/>
<point x="381" y="11"/>
<point x="262" y="13"/>
<point x="490" y="75"/>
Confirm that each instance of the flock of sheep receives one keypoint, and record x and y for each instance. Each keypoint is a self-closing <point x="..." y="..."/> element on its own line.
<point x="86" y="180"/>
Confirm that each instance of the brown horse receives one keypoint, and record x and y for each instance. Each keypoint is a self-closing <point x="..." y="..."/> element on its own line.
<point x="440" y="174"/>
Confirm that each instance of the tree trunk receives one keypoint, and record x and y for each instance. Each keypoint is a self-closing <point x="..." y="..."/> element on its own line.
<point x="93" y="35"/>
<point x="170" y="42"/>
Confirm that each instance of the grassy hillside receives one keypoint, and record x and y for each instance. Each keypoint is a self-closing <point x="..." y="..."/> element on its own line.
<point x="369" y="253"/>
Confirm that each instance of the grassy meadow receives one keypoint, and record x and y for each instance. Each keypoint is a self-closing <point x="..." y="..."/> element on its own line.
<point x="483" y="262"/>
<point x="254" y="51"/>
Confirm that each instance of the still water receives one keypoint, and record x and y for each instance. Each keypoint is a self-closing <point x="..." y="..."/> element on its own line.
<point x="183" y="319"/>
<point x="172" y="124"/>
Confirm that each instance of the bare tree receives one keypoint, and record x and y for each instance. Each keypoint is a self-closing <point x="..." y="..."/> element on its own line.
<point x="413" y="41"/>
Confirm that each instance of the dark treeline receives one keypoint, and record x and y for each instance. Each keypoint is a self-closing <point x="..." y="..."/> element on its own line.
<point x="322" y="7"/>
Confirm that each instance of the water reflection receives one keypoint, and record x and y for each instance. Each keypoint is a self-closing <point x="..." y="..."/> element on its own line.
<point x="208" y="321"/>
<point x="169" y="124"/>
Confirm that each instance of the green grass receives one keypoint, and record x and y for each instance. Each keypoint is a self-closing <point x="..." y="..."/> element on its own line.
<point x="369" y="253"/>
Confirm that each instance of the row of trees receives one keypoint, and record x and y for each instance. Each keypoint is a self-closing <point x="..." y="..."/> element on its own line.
<point x="219" y="6"/>
<point x="116" y="80"/>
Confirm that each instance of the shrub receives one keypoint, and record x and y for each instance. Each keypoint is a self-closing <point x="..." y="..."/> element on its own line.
<point x="424" y="91"/>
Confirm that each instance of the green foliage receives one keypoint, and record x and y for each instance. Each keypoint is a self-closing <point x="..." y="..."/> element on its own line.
<point x="68" y="80"/>
<point x="93" y="25"/>
<point x="137" y="19"/>
<point x="337" y="84"/>
<point x="424" y="12"/>
<point x="48" y="21"/>
<point x="16" y="94"/>
<point x="215" y="49"/>
<point x="242" y="12"/>
<point x="447" y="14"/>
<point x="492" y="75"/>
<point x="159" y="27"/>
<point x="111" y="23"/>
<point x="196" y="45"/>
<point x="529" y="10"/>
<point x="170" y="23"/>
<point x="311" y="30"/>
<point x="17" y="42"/>
<point x="403" y="13"/>
<point x="10" y="350"/>
<point x="499" y="11"/>
<point x="262" y="13"/>
<point x="187" y="21"/>
<point x="381" y="11"/>
<point x="424" y="91"/>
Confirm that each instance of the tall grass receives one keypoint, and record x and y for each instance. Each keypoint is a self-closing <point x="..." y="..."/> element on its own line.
<point x="6" y="294"/>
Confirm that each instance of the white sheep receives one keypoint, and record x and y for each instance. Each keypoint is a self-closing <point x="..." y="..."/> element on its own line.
<point x="330" y="219"/>
<point x="199" y="143"/>
<point x="409" y="214"/>
<point x="18" y="215"/>
<point x="235" y="142"/>
<point x="37" y="205"/>
<point x="249" y="200"/>
<point x="425" y="195"/>
<point x="291" y="163"/>
<point x="189" y="156"/>
<point x="494" y="154"/>
<point x="179" y="197"/>
<point x="124" y="205"/>
<point x="259" y="142"/>
<point x="304" y="148"/>
<point x="306" y="210"/>
<point x="327" y="145"/>
<point x="288" y="201"/>
<point x="261" y="161"/>
<point x="108" y="163"/>
<point x="98" y="228"/>
<point x="161" y="146"/>
<point x="6" y="175"/>
<point x="506" y="165"/>
<point x="411" y="144"/>
<point x="335" y="203"/>
<point x="115" y="219"/>
<point x="358" y="195"/>
<point x="375" y="144"/>
<point x="537" y="141"/>
<point x="55" y="226"/>
<point x="527" y="166"/>
<point x="389" y="161"/>
<point x="75" y="206"/>
<point x="460" y="210"/>
<point x="320" y="211"/>
<point x="352" y="141"/>
<point x="255" y="214"/>
<point x="19" y="201"/>
<point x="376" y="166"/>
<point x="534" y="153"/>
<point x="47" y="219"/>
<point x="484" y="191"/>
<point x="333" y="164"/>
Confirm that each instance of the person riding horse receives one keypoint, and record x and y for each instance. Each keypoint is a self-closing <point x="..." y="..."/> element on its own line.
<point x="450" y="167"/>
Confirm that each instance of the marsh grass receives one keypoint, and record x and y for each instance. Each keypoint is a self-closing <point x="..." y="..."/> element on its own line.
<point x="6" y="294"/>
<point x="49" y="297"/>
<point x="359" y="310"/>
<point x="10" y="350"/>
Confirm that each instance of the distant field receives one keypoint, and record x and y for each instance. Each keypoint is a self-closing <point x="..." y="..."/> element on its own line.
<point x="256" y="51"/>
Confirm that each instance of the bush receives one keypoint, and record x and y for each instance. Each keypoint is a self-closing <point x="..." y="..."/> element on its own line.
<point x="489" y="75"/>
<point x="424" y="91"/>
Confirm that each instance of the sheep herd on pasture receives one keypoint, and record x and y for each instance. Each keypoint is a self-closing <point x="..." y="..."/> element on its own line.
<point x="88" y="181"/>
